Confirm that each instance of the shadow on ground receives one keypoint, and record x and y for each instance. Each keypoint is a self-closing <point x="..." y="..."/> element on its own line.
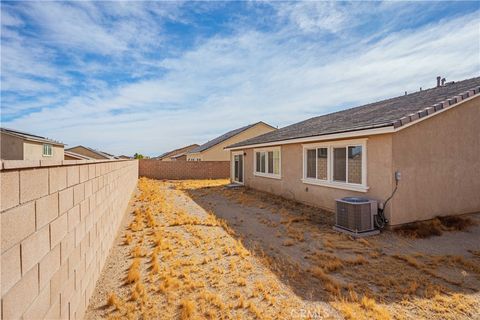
<point x="297" y="243"/>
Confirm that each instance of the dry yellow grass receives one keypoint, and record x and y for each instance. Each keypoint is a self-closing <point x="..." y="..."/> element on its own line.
<point x="187" y="267"/>
<point x="134" y="272"/>
<point x="187" y="310"/>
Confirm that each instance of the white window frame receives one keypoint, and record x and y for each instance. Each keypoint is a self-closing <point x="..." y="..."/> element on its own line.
<point x="266" y="174"/>
<point x="48" y="146"/>
<point x="363" y="187"/>
<point x="236" y="153"/>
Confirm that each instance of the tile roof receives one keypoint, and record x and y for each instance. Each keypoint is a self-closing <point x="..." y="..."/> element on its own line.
<point x="176" y="152"/>
<point x="224" y="137"/>
<point x="391" y="112"/>
<point x="29" y="136"/>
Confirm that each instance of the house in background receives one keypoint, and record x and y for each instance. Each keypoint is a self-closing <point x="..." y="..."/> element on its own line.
<point x="18" y="145"/>
<point x="428" y="142"/>
<point x="179" y="154"/>
<point x="90" y="153"/>
<point x="70" y="155"/>
<point x="214" y="150"/>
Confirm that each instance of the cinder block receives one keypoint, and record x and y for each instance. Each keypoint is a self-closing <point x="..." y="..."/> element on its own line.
<point x="11" y="268"/>
<point x="65" y="295"/>
<point x="17" y="224"/>
<point x="58" y="281"/>
<point x="34" y="248"/>
<point x="40" y="305"/>
<point x="18" y="164"/>
<point x="33" y="184"/>
<point x="91" y="171"/>
<point x="67" y="246"/>
<point x="74" y="302"/>
<point x="88" y="189"/>
<point x="73" y="217"/>
<point x="80" y="272"/>
<point x="83" y="173"/>
<point x="79" y="232"/>
<point x="58" y="229"/>
<point x="48" y="266"/>
<point x="10" y="189"/>
<point x="74" y="261"/>
<point x="17" y="299"/>
<point x="84" y="209"/>
<point x="57" y="179"/>
<point x="81" y="307"/>
<point x="54" y="312"/>
<point x="73" y="175"/>
<point x="78" y="193"/>
<point x="46" y="210"/>
<point x="65" y="200"/>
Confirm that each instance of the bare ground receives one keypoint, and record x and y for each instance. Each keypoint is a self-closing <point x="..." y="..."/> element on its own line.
<point x="306" y="269"/>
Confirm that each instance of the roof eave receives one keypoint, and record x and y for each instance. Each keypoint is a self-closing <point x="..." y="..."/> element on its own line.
<point x="387" y="128"/>
<point x="395" y="126"/>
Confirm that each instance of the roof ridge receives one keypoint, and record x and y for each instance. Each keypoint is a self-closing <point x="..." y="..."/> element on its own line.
<point x="395" y="111"/>
<point x="227" y="135"/>
<point x="437" y="107"/>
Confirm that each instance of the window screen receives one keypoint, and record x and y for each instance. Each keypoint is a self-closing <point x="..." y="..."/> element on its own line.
<point x="311" y="155"/>
<point x="355" y="164"/>
<point x="340" y="164"/>
<point x="322" y="163"/>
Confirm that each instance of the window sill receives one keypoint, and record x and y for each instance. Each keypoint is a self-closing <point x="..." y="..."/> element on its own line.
<point x="337" y="185"/>
<point x="267" y="175"/>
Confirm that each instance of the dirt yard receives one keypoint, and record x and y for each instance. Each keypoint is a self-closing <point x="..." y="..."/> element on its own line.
<point x="195" y="249"/>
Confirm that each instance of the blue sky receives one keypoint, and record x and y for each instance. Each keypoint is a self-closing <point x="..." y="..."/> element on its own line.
<point x="147" y="77"/>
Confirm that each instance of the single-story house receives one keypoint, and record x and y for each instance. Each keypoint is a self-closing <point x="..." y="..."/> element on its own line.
<point x="18" y="145"/>
<point x="179" y="154"/>
<point x="214" y="150"/>
<point x="91" y="153"/>
<point x="428" y="141"/>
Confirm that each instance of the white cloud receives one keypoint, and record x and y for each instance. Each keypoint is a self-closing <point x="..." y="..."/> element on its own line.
<point x="315" y="16"/>
<point x="229" y="81"/>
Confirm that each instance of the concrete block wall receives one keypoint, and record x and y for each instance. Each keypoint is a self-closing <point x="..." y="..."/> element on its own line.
<point x="58" y="223"/>
<point x="178" y="170"/>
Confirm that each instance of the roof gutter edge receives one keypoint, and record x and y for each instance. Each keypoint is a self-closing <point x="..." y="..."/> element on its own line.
<point x="388" y="128"/>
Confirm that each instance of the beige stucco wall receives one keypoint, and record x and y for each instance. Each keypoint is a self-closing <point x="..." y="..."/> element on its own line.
<point x="218" y="153"/>
<point x="11" y="147"/>
<point x="16" y="148"/>
<point x="439" y="160"/>
<point x="379" y="177"/>
<point x="86" y="152"/>
<point x="34" y="151"/>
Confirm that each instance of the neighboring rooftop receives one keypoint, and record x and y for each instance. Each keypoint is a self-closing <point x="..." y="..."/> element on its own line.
<point x="101" y="154"/>
<point x="391" y="112"/>
<point x="75" y="155"/>
<point x="177" y="152"/>
<point x="224" y="137"/>
<point x="30" y="137"/>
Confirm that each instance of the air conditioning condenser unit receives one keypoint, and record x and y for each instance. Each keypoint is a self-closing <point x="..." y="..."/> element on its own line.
<point x="355" y="216"/>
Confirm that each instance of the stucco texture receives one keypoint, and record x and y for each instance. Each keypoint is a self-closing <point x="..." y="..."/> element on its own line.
<point x="291" y="186"/>
<point x="438" y="158"/>
<point x="16" y="148"/>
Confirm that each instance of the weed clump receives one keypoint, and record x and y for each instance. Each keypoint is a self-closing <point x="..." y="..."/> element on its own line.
<point x="435" y="227"/>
